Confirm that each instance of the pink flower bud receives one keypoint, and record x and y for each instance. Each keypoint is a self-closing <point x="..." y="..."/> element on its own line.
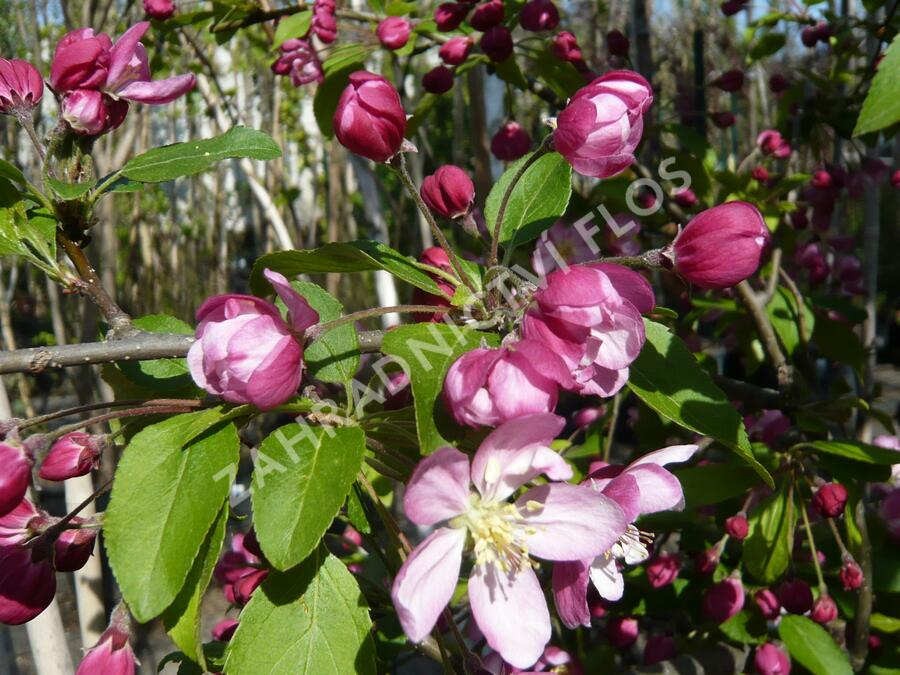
<point x="890" y="513"/>
<point x="824" y="610"/>
<point x="770" y="660"/>
<point x="247" y="585"/>
<point x="731" y="80"/>
<point x="778" y="83"/>
<point x="707" y="561"/>
<point x="112" y="655"/>
<point x="15" y="477"/>
<point x="21" y="87"/>
<point x="449" y="15"/>
<point x="324" y="24"/>
<point x="617" y="44"/>
<point x="486" y="387"/>
<point x="795" y="596"/>
<point x="93" y="113"/>
<point x="600" y="128"/>
<point x="732" y="7"/>
<point x="497" y="43"/>
<point x="455" y="51"/>
<point x="737" y="527"/>
<point x="622" y="632"/>
<point x="721" y="246"/>
<point x="27" y="584"/>
<point x="658" y="648"/>
<point x="245" y="352"/>
<point x="685" y="198"/>
<point x="760" y="173"/>
<point x="723" y="600"/>
<point x="565" y="47"/>
<point x="851" y="575"/>
<point x="394" y="32"/>
<point x="75" y="454"/>
<point x="895" y="178"/>
<point x="723" y="120"/>
<point x="538" y="15"/>
<point x="487" y="15"/>
<point x="370" y="120"/>
<point x="663" y="570"/>
<point x="821" y="179"/>
<point x="438" y="80"/>
<point x="224" y="630"/>
<point x="72" y="548"/>
<point x="436" y="257"/>
<point x="449" y="192"/>
<point x="768" y="604"/>
<point x="81" y="61"/>
<point x="829" y="500"/>
<point x="587" y="416"/>
<point x="799" y="220"/>
<point x="159" y="9"/>
<point x="510" y="142"/>
<point x="773" y="144"/>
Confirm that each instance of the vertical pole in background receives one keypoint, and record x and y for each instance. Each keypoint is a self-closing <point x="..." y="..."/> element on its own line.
<point x="699" y="85"/>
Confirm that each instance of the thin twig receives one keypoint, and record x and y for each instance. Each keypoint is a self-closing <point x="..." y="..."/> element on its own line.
<point x="766" y="335"/>
<point x="68" y="412"/>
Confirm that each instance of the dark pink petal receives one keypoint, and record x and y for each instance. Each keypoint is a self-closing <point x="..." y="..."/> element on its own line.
<point x="570" y="588"/>
<point x="302" y="316"/>
<point x="157" y="92"/>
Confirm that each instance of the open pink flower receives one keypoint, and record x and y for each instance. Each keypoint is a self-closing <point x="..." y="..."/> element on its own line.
<point x="643" y="486"/>
<point x="555" y="521"/>
<point x="590" y="316"/>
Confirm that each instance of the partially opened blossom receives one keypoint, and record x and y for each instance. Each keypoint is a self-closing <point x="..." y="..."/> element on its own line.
<point x="16" y="475"/>
<point x="112" y="655"/>
<point x="772" y="143"/>
<point x="369" y="119"/>
<point x="27" y="577"/>
<point x="559" y="246"/>
<point x="590" y="316"/>
<point x="829" y="500"/>
<point x="770" y="660"/>
<point x="642" y="487"/>
<point x="75" y="454"/>
<point x="245" y="352"/>
<point x="21" y="87"/>
<point x="299" y="60"/>
<point x="554" y="521"/>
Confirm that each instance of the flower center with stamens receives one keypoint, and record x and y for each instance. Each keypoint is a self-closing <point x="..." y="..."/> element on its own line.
<point x="498" y="533"/>
<point x="632" y="546"/>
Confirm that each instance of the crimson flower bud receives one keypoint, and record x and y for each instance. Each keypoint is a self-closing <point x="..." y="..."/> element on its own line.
<point x="455" y="51"/>
<point x="723" y="600"/>
<point x="622" y="631"/>
<point x="15" y="477"/>
<point x="731" y="80"/>
<point x="895" y="178"/>
<point x="760" y="173"/>
<point x="247" y="584"/>
<point x="809" y="37"/>
<point x="75" y="454"/>
<point x="487" y="15"/>
<point x="851" y="575"/>
<point x="737" y="526"/>
<point x="587" y="416"/>
<point x="799" y="220"/>
<point x="394" y="32"/>
<point x="824" y="610"/>
<point x="708" y="561"/>
<point x="732" y="7"/>
<point x="721" y="246"/>
<point x="497" y="43"/>
<point x="600" y="128"/>
<point x="112" y="655"/>
<point x="617" y="44"/>
<point x="565" y="47"/>
<point x="21" y="87"/>
<point x="159" y="9"/>
<point x="773" y="144"/>
<point x="768" y="603"/>
<point x="658" y="648"/>
<point x="27" y="584"/>
<point x="663" y="570"/>
<point x="770" y="660"/>
<point x="449" y="192"/>
<point x="324" y="25"/>
<point x="449" y="15"/>
<point x="685" y="198"/>
<point x="778" y="83"/>
<point x="795" y="596"/>
<point x="81" y="61"/>
<point x="538" y="15"/>
<point x="723" y="120"/>
<point x="510" y="142"/>
<point x="72" y="549"/>
<point x="224" y="630"/>
<point x="92" y="113"/>
<point x="822" y="31"/>
<point x="370" y="120"/>
<point x="821" y="179"/>
<point x="829" y="500"/>
<point x="436" y="257"/>
<point x="438" y="80"/>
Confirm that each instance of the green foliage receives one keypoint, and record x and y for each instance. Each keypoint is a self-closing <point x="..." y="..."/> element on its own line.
<point x="160" y="374"/>
<point x="766" y="45"/>
<point x="30" y="234"/>
<point x="882" y="105"/>
<point x="170" y="486"/>
<point x="785" y="316"/>
<point x="302" y="475"/>
<point x="68" y="191"/>
<point x="310" y="619"/>
<point x="768" y="547"/>
<point x="810" y="645"/>
<point x="11" y="172"/>
<point x="293" y="26"/>
<point x="334" y="355"/>
<point x="860" y="452"/>
<point x="714" y="483"/>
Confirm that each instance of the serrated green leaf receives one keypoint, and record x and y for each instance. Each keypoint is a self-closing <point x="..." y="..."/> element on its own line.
<point x="860" y="452"/>
<point x="333" y="356"/>
<point x="68" y="191"/>
<point x="768" y="546"/>
<point x="186" y="159"/>
<point x="812" y="646"/>
<point x="785" y="316"/>
<point x="881" y="108"/>
<point x="302" y="475"/>
<point x="170" y="485"/>
<point x="12" y="172"/>
<point x="293" y="26"/>
<point x="311" y="619"/>
<point x="667" y="377"/>
<point x="714" y="483"/>
<point x="30" y="234"/>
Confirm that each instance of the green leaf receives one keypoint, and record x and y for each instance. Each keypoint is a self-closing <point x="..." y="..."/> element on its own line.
<point x="837" y="341"/>
<point x="768" y="546"/>
<point x="426" y="351"/>
<point x="167" y="494"/>
<point x="357" y="510"/>
<point x="537" y="200"/>
<point x="68" y="191"/>
<point x="182" y="618"/>
<point x="881" y="108"/>
<point x="311" y="619"/>
<point x="333" y="356"/>
<point x="186" y="159"/>
<point x="785" y="317"/>
<point x="768" y="44"/>
<point x="293" y="26"/>
<point x="860" y="452"/>
<point x="337" y="68"/>
<point x="812" y="646"/>
<point x="714" y="483"/>
<point x="667" y="377"/>
<point x="355" y="256"/>
<point x="747" y="627"/>
<point x="30" y="234"/>
<point x="885" y="624"/>
<point x="12" y="172"/>
<point x="159" y="374"/>
<point x="302" y="475"/>
<point x="561" y="76"/>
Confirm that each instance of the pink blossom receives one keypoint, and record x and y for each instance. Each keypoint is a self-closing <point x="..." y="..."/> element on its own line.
<point x="829" y="500"/>
<point x="824" y="610"/>
<point x="27" y="577"/>
<point x="723" y="600"/>
<point x="300" y="61"/>
<point x="510" y="142"/>
<point x="245" y="352"/>
<point x="15" y="477"/>
<point x="369" y="119"/>
<point x="449" y="15"/>
<point x="393" y="32"/>
<point x="455" y="51"/>
<point x="75" y="454"/>
<point x="21" y="87"/>
<point x="159" y="9"/>
<point x="622" y="631"/>
<point x="663" y="570"/>
<point x="737" y="527"/>
<point x="562" y="242"/>
<point x="773" y="144"/>
<point x="851" y="575"/>
<point x="554" y="521"/>
<point x="770" y="660"/>
<point x="112" y="655"/>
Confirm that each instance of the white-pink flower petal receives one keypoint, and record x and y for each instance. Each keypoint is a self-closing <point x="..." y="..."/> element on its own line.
<point x="439" y="487"/>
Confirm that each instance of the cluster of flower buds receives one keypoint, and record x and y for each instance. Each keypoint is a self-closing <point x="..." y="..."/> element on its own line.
<point x="810" y="36"/>
<point x="300" y="61"/>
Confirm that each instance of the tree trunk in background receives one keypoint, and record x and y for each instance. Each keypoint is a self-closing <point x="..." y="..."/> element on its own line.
<point x="47" y="638"/>
<point x="481" y="155"/>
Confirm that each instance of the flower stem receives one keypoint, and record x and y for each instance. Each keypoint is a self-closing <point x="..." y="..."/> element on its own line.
<point x="545" y="147"/>
<point x="67" y="412"/>
<point x="322" y="328"/>
<point x="823" y="589"/>
<point x="27" y="123"/>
